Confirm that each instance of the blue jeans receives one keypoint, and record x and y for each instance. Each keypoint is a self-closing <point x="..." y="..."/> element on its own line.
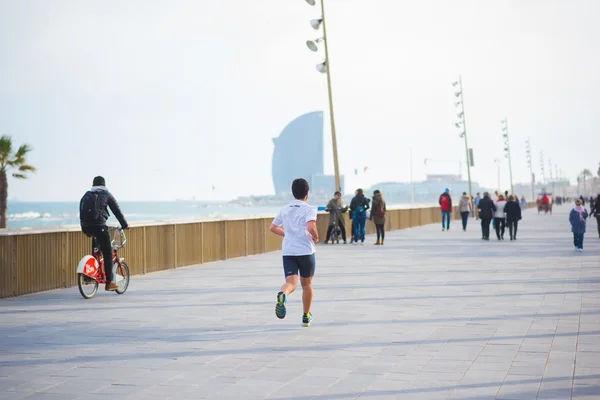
<point x="446" y="219"/>
<point x="578" y="240"/>
<point x="359" y="227"/>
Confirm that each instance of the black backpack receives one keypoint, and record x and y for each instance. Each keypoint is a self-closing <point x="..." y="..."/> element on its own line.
<point x="88" y="207"/>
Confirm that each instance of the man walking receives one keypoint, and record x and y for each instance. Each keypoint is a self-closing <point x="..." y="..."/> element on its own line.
<point x="359" y="206"/>
<point x="476" y="208"/>
<point x="486" y="213"/>
<point x="446" y="208"/>
<point x="299" y="222"/>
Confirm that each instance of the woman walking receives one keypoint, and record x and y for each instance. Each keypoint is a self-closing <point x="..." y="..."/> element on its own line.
<point x="513" y="216"/>
<point x="378" y="210"/>
<point x="465" y="207"/>
<point x="499" y="220"/>
<point x="577" y="219"/>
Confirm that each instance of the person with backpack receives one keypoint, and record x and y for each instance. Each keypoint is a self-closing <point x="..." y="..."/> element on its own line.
<point x="378" y="210"/>
<point x="446" y="208"/>
<point x="93" y="213"/>
<point x="487" y="208"/>
<point x="359" y="206"/>
<point x="465" y="207"/>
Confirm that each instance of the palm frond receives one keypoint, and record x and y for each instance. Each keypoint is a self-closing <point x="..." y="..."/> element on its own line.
<point x="19" y="176"/>
<point x="23" y="150"/>
<point x="27" y="168"/>
<point x="5" y="149"/>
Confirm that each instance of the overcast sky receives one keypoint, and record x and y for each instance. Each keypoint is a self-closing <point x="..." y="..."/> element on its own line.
<point x="167" y="98"/>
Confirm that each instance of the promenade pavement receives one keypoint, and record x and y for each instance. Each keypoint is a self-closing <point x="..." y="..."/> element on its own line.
<point x="430" y="315"/>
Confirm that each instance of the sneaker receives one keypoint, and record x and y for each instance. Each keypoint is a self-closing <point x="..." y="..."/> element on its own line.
<point x="580" y="250"/>
<point x="443" y="229"/>
<point x="111" y="287"/>
<point x="345" y="242"/>
<point x="280" y="307"/>
<point x="307" y="319"/>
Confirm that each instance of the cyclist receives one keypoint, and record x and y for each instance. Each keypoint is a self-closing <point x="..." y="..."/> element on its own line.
<point x="335" y="209"/>
<point x="93" y="213"/>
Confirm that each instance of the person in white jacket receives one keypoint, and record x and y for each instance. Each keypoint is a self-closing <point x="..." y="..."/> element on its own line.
<point x="499" y="217"/>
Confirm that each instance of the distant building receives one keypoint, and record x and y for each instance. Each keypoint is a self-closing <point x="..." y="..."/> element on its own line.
<point x="298" y="153"/>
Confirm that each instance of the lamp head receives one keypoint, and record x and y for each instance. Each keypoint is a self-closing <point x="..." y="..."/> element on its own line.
<point x="312" y="45"/>
<point x="311" y="2"/>
<point x="316" y="23"/>
<point x="457" y="94"/>
<point x="322" y="68"/>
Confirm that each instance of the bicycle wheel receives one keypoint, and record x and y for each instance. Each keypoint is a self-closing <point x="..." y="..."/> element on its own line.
<point x="123" y="270"/>
<point x="88" y="287"/>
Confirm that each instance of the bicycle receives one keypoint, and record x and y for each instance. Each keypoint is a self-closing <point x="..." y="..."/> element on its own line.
<point x="90" y="271"/>
<point x="336" y="232"/>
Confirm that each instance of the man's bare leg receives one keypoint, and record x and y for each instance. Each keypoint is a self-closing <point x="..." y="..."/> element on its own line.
<point x="288" y="287"/>
<point x="290" y="284"/>
<point x="307" y="294"/>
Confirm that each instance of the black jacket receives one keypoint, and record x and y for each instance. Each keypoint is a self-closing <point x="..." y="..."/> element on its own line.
<point x="359" y="201"/>
<point x="513" y="211"/>
<point x="486" y="208"/>
<point x="105" y="200"/>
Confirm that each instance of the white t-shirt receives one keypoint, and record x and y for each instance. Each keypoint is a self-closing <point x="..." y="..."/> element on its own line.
<point x="500" y="209"/>
<point x="293" y="217"/>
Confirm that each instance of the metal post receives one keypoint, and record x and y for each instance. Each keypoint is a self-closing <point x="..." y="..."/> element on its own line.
<point x="512" y="189"/>
<point x="462" y="102"/>
<point x="336" y="168"/>
<point x="412" y="188"/>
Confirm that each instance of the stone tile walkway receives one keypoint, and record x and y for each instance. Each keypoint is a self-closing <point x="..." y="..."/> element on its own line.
<point x="430" y="315"/>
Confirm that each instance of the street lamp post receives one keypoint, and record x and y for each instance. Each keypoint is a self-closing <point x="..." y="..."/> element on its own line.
<point x="497" y="161"/>
<point x="463" y="122"/>
<point x="507" y="151"/>
<point x="530" y="168"/>
<point x="325" y="68"/>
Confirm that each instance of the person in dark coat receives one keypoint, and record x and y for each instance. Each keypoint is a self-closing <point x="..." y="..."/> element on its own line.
<point x="335" y="210"/>
<point x="486" y="213"/>
<point x="378" y="210"/>
<point x="359" y="206"/>
<point x="577" y="218"/>
<point x="513" y="215"/>
<point x="595" y="211"/>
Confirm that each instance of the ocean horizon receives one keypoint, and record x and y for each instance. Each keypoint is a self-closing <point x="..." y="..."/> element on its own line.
<point x="61" y="214"/>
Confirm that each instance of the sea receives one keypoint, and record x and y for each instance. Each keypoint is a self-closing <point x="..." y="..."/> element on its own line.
<point x="66" y="214"/>
<point x="55" y="214"/>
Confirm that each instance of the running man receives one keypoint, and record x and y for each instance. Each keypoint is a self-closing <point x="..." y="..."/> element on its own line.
<point x="299" y="222"/>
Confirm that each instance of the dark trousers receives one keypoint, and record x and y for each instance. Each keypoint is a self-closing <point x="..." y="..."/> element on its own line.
<point x="598" y="221"/>
<point x="500" y="227"/>
<point x="380" y="231"/>
<point x="465" y="217"/>
<point x="485" y="227"/>
<point x="359" y="227"/>
<point x="330" y="230"/>
<point x="512" y="228"/>
<point x="578" y="240"/>
<point x="101" y="239"/>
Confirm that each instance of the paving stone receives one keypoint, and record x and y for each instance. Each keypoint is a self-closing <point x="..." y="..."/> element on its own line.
<point x="431" y="315"/>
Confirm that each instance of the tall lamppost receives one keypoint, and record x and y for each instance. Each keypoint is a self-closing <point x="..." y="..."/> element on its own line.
<point x="542" y="167"/>
<point x="529" y="163"/>
<point x="497" y="161"/>
<point x="325" y="68"/>
<point x="507" y="151"/>
<point x="462" y="124"/>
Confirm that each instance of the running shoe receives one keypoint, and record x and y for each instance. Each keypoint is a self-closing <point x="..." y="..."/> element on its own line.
<point x="307" y="319"/>
<point x="280" y="307"/>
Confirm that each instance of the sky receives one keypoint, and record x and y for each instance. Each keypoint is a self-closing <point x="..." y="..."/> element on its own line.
<point x="166" y="99"/>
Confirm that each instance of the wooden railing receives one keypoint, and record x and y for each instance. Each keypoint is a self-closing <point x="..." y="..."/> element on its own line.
<point x="34" y="262"/>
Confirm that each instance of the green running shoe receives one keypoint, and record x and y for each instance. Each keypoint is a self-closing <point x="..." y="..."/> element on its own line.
<point x="307" y="319"/>
<point x="280" y="306"/>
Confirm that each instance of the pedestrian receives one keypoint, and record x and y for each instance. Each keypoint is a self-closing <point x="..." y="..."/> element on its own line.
<point x="352" y="220"/>
<point x="299" y="222"/>
<point x="577" y="218"/>
<point x="465" y="208"/>
<point x="513" y="216"/>
<point x="499" y="218"/>
<point x="446" y="208"/>
<point x="359" y="206"/>
<point x="523" y="203"/>
<point x="378" y="210"/>
<point x="336" y="218"/>
<point x="595" y="211"/>
<point x="486" y="213"/>
<point x="476" y="208"/>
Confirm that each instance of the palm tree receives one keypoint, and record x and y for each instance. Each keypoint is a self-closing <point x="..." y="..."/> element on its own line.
<point x="11" y="161"/>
